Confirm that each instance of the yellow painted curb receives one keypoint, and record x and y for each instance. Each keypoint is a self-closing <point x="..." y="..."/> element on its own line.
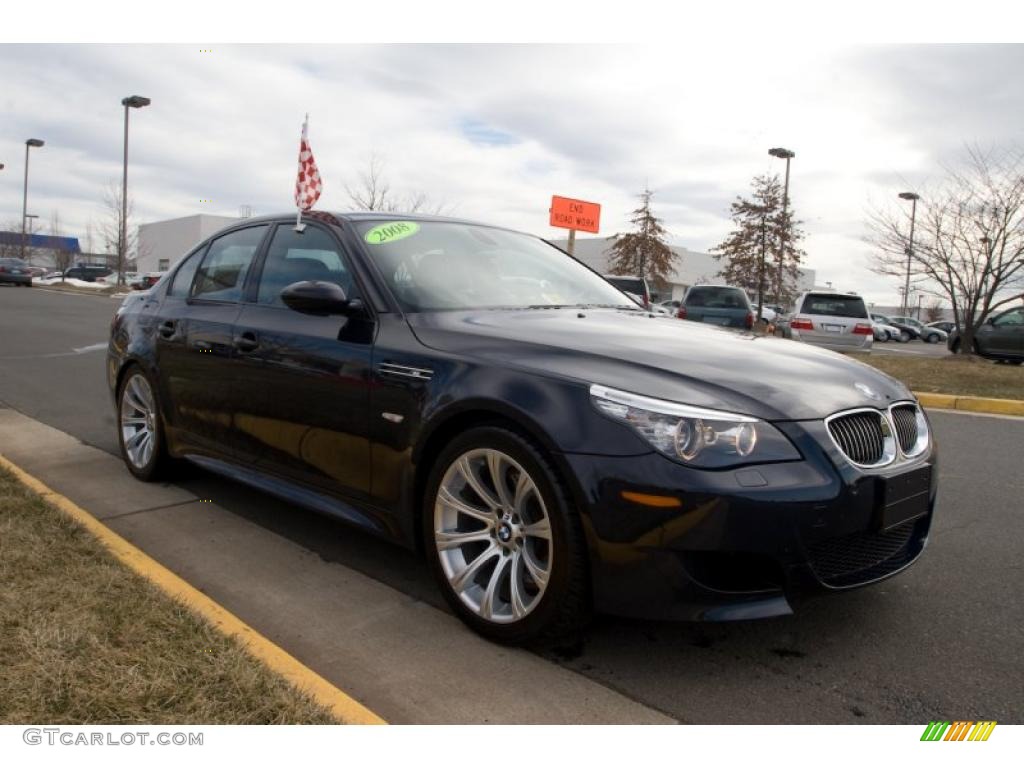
<point x="342" y="706"/>
<point x="970" y="403"/>
<point x="931" y="400"/>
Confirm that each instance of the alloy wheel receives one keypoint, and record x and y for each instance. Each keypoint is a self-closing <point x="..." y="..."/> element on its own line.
<point x="493" y="535"/>
<point x="138" y="421"/>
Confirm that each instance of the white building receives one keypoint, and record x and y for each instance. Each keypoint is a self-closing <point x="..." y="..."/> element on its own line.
<point x="162" y="243"/>
<point x="691" y="268"/>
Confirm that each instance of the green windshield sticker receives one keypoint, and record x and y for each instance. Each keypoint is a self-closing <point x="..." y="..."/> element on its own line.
<point x="393" y="230"/>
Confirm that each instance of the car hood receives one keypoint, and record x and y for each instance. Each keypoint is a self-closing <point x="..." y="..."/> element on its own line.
<point x="661" y="357"/>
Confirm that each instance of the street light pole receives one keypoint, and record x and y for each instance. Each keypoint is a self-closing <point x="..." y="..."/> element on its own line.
<point x="24" y="197"/>
<point x="787" y="155"/>
<point x="30" y="218"/>
<point x="760" y="270"/>
<point x="135" y="102"/>
<point x="913" y="197"/>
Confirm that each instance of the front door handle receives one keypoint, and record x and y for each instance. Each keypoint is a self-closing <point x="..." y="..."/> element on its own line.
<point x="167" y="329"/>
<point x="246" y="341"/>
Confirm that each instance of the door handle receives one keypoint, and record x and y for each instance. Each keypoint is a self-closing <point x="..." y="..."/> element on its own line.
<point x="167" y="329"/>
<point x="246" y="341"/>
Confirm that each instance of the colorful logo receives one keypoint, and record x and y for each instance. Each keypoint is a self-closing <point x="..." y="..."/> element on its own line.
<point x="959" y="730"/>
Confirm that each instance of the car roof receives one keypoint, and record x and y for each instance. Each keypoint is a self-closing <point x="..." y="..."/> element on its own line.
<point x="341" y="217"/>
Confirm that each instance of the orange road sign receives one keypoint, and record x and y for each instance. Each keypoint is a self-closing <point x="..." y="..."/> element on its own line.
<point x="575" y="214"/>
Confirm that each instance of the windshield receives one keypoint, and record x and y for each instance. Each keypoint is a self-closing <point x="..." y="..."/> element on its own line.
<point x="834" y="306"/>
<point x="434" y="265"/>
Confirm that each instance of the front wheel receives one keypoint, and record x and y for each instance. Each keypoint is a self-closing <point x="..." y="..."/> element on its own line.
<point x="503" y="542"/>
<point x="904" y="337"/>
<point x="932" y="338"/>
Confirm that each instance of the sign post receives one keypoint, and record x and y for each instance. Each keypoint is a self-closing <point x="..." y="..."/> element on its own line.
<point x="573" y="215"/>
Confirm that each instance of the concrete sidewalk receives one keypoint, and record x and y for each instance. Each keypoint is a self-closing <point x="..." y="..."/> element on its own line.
<point x="404" y="659"/>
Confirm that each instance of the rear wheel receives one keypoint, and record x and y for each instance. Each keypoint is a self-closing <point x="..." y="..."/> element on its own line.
<point x="140" y="432"/>
<point x="503" y="542"/>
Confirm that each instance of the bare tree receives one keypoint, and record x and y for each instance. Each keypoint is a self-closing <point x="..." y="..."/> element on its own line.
<point x="969" y="239"/>
<point x="110" y="227"/>
<point x="12" y="249"/>
<point x="62" y="256"/>
<point x="933" y="312"/>
<point x="372" y="192"/>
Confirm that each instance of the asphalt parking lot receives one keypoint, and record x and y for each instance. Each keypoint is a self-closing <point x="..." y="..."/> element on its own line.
<point x="913" y="348"/>
<point x="941" y="641"/>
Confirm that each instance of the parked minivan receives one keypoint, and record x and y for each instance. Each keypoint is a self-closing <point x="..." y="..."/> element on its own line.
<point x="635" y="286"/>
<point x="723" y="305"/>
<point x="829" y="319"/>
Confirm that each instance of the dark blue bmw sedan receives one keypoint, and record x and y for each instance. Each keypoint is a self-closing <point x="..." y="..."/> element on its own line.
<point x="552" y="448"/>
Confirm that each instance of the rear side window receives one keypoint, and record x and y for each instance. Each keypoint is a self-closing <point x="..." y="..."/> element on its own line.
<point x="297" y="256"/>
<point x="833" y="306"/>
<point x="715" y="297"/>
<point x="181" y="283"/>
<point x="222" y="274"/>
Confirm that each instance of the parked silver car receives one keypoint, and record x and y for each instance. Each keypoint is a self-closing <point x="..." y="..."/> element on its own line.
<point x="925" y="332"/>
<point x="829" y="319"/>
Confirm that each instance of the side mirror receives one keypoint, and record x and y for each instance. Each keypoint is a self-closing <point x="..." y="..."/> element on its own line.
<point x="317" y="297"/>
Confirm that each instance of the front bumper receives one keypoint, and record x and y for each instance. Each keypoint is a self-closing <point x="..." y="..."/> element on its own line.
<point x="744" y="543"/>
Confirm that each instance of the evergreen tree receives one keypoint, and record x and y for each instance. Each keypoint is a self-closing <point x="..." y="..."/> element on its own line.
<point x="644" y="251"/>
<point x="760" y="227"/>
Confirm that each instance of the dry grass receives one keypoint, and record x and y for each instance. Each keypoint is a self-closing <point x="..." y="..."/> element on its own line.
<point x="85" y="640"/>
<point x="954" y="375"/>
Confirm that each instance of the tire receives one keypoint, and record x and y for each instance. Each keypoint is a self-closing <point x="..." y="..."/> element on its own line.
<point x="904" y="337"/>
<point x="138" y="412"/>
<point x="886" y="337"/>
<point x="932" y="338"/>
<point x="506" y="583"/>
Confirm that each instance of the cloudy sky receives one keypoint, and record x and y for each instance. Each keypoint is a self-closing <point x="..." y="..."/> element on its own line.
<point x="493" y="131"/>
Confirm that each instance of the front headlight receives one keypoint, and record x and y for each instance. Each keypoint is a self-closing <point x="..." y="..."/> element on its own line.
<point x="697" y="436"/>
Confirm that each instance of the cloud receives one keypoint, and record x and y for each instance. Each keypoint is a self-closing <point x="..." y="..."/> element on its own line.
<point x="494" y="131"/>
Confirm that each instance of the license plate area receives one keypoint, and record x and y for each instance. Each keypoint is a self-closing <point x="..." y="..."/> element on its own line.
<point x="832" y="328"/>
<point x="903" y="497"/>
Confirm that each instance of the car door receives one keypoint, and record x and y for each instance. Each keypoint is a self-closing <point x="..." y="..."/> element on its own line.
<point x="1004" y="335"/>
<point x="195" y="346"/>
<point x="303" y="380"/>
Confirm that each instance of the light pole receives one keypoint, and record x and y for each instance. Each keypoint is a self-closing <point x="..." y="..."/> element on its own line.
<point x="913" y="198"/>
<point x="24" y="198"/>
<point x="760" y="268"/>
<point x="786" y="155"/>
<point x="30" y="217"/>
<point x="135" y="102"/>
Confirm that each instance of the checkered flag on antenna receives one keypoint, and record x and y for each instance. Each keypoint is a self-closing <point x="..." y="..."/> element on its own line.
<point x="308" y="185"/>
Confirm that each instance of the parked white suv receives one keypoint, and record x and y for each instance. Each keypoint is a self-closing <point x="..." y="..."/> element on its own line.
<point x="833" y="320"/>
